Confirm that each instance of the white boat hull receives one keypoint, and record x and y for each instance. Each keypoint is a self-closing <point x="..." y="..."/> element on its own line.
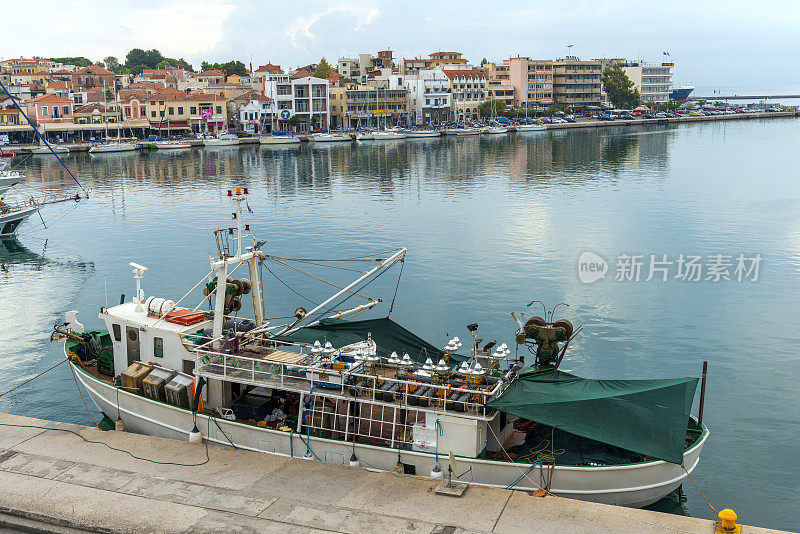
<point x="220" y="142"/>
<point x="467" y="131"/>
<point x="279" y="140"/>
<point x="330" y="138"/>
<point x="8" y="180"/>
<point x="11" y="220"/>
<point x="632" y="485"/>
<point x="44" y="150"/>
<point x="530" y="128"/>
<point x="423" y="135"/>
<point x="388" y="136"/>
<point x="118" y="147"/>
<point x="171" y="145"/>
<point x="493" y="130"/>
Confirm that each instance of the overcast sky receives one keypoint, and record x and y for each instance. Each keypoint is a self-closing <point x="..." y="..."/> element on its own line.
<point x="713" y="43"/>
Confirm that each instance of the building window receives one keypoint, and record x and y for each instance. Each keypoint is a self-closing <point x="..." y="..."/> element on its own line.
<point x="219" y="110"/>
<point x="180" y="110"/>
<point x="66" y="110"/>
<point x="171" y="110"/>
<point x="193" y="110"/>
<point x="158" y="347"/>
<point x="143" y="112"/>
<point x="161" y="113"/>
<point x="44" y="110"/>
<point x="117" y="332"/>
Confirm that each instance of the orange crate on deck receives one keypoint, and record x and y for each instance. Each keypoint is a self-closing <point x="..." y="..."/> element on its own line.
<point x="185" y="317"/>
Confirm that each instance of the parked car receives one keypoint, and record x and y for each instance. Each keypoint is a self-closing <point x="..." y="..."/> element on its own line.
<point x="627" y="117"/>
<point x="660" y="115"/>
<point x="570" y="118"/>
<point x="649" y="116"/>
<point x="606" y="117"/>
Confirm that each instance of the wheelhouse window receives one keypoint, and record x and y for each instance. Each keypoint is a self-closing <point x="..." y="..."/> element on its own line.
<point x="158" y="347"/>
<point x="117" y="332"/>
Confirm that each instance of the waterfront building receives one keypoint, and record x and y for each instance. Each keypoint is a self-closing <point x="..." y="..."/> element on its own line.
<point x="577" y="83"/>
<point x="469" y="89"/>
<point x="93" y="77"/>
<point x="95" y="114"/>
<point x="10" y="117"/>
<point x="653" y="81"/>
<point x="173" y="110"/>
<point x="532" y="80"/>
<point x="356" y="69"/>
<point x="443" y="60"/>
<point x="256" y="115"/>
<point x="429" y="96"/>
<point x="133" y="106"/>
<point x="47" y="108"/>
<point x="210" y="77"/>
<point x="301" y="95"/>
<point x="369" y="106"/>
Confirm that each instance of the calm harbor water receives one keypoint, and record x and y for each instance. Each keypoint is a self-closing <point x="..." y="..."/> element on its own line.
<point x="491" y="224"/>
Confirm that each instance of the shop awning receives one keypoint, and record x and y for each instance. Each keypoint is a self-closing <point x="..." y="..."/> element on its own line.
<point x="649" y="417"/>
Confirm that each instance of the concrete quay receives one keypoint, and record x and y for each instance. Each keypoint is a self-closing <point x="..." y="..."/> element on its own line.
<point x="52" y="479"/>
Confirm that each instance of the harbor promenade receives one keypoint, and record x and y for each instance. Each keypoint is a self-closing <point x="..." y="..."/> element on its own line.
<point x="60" y="477"/>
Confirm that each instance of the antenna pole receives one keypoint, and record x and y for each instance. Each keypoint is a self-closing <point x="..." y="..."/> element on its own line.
<point x="702" y="392"/>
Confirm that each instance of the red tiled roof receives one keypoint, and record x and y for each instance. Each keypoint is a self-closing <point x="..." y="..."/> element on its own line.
<point x="208" y="73"/>
<point x="58" y="85"/>
<point x="270" y="68"/>
<point x="167" y="93"/>
<point x="92" y="69"/>
<point x="90" y="108"/>
<point x="223" y="84"/>
<point x="48" y="97"/>
<point x="475" y="73"/>
<point x="145" y="85"/>
<point x="302" y="73"/>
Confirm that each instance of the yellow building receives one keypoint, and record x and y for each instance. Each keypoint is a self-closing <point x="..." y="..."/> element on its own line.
<point x="365" y="106"/>
<point x="172" y="110"/>
<point x="577" y="83"/>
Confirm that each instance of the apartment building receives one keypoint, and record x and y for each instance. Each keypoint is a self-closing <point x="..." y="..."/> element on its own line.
<point x="93" y="77"/>
<point x="443" y="60"/>
<point x="172" y="110"/>
<point x="469" y="88"/>
<point x="652" y="80"/>
<point x="47" y="108"/>
<point x="532" y="80"/>
<point x="301" y="95"/>
<point x="577" y="83"/>
<point x="429" y="96"/>
<point x="359" y="67"/>
<point x="368" y="106"/>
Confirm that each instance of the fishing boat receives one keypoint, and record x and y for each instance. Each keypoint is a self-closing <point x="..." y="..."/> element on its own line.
<point x="422" y="134"/>
<point x="326" y="388"/>
<point x="279" y="140"/>
<point x="330" y="137"/>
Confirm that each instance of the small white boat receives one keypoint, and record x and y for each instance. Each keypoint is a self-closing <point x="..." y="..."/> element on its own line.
<point x="112" y="147"/>
<point x="12" y="216"/>
<point x="8" y="179"/>
<point x="171" y="145"/>
<point x="467" y="131"/>
<point x="43" y="150"/>
<point x="422" y="134"/>
<point x="330" y="137"/>
<point x="221" y="141"/>
<point x="279" y="140"/>
<point x="365" y="136"/>
<point x="492" y="130"/>
<point x="388" y="135"/>
<point x="530" y="127"/>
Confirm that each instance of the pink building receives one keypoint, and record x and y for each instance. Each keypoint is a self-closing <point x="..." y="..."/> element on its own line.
<point x="532" y="80"/>
<point x="49" y="108"/>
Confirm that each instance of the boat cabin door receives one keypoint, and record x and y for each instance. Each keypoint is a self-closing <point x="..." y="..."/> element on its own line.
<point x="132" y="337"/>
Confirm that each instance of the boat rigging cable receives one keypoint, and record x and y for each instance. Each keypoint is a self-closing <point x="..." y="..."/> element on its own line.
<point x="16" y="104"/>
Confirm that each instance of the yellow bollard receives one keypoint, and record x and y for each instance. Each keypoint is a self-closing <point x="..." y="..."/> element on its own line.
<point x="727" y="522"/>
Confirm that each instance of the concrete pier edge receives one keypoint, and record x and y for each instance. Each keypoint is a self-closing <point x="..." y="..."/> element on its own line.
<point x="55" y="481"/>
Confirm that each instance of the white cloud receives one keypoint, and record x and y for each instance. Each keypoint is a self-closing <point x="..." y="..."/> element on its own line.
<point x="301" y="27"/>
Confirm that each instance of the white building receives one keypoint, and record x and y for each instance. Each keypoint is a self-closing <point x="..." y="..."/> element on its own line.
<point x="469" y="88"/>
<point x="429" y="97"/>
<point x="653" y="81"/>
<point x="257" y="116"/>
<point x="306" y="97"/>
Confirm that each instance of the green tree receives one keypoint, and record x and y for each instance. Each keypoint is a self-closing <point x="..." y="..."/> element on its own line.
<point x="137" y="57"/>
<point x="619" y="88"/>
<point x="484" y="61"/>
<point x="293" y="121"/>
<point x="485" y="108"/>
<point x="323" y="69"/>
<point x="228" y="69"/>
<point x="80" y="61"/>
<point x="112" y="64"/>
<point x="553" y="108"/>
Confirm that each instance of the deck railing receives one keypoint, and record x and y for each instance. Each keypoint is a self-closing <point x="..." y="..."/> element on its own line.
<point x="307" y="376"/>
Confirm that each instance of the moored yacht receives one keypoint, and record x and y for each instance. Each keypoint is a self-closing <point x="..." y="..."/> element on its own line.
<point x="328" y="389"/>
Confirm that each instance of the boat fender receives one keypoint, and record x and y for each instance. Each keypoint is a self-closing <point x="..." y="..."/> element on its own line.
<point x="195" y="436"/>
<point x="119" y="425"/>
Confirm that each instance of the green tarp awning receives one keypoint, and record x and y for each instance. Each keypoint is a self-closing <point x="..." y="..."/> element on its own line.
<point x="645" y="416"/>
<point x="387" y="334"/>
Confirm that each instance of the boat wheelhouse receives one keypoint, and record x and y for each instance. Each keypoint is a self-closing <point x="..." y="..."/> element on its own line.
<point x="371" y="393"/>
